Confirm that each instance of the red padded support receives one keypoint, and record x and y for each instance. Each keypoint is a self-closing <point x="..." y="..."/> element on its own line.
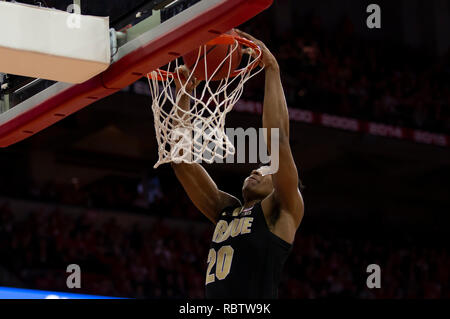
<point x="131" y="68"/>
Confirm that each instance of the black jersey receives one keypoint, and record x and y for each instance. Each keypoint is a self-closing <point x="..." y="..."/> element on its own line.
<point x="246" y="258"/>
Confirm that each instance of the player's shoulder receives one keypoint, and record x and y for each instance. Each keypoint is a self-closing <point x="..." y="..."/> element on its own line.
<point x="228" y="202"/>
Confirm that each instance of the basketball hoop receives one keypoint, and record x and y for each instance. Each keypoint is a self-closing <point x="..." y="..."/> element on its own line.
<point x="198" y="134"/>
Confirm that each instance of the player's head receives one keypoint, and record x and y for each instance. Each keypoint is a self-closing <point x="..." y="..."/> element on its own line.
<point x="258" y="185"/>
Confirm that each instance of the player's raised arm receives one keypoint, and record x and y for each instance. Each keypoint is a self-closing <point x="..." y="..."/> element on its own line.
<point x="197" y="183"/>
<point x="275" y="115"/>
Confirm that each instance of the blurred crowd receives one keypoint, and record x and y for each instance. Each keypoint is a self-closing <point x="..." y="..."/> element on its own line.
<point x="163" y="261"/>
<point x="111" y="192"/>
<point x="138" y="262"/>
<point x="339" y="73"/>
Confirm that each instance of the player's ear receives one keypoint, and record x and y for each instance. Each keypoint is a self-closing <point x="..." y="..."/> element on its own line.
<point x="301" y="186"/>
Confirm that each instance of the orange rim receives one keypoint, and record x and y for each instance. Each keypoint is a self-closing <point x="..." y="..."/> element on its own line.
<point x="221" y="39"/>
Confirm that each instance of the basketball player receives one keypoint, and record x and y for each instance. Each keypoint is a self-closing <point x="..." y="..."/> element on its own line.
<point x="252" y="239"/>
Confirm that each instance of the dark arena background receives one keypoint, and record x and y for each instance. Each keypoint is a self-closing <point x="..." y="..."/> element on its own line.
<point x="370" y="133"/>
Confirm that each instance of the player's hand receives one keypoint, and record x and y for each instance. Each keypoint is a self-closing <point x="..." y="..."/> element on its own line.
<point x="267" y="57"/>
<point x="181" y="76"/>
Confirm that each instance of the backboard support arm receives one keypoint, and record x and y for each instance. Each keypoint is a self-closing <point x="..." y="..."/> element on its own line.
<point x="77" y="3"/>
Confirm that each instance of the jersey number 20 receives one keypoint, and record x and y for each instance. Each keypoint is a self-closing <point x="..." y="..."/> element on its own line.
<point x="222" y="259"/>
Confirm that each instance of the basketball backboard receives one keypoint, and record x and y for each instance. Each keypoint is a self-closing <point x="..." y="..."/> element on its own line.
<point x="146" y="35"/>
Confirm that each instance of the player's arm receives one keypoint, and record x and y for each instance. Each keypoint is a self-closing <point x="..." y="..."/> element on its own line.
<point x="197" y="183"/>
<point x="203" y="191"/>
<point x="275" y="115"/>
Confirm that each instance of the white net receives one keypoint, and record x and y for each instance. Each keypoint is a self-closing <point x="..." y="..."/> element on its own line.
<point x="195" y="132"/>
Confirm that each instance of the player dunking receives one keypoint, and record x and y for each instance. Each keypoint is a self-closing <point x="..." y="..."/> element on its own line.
<point x="252" y="240"/>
